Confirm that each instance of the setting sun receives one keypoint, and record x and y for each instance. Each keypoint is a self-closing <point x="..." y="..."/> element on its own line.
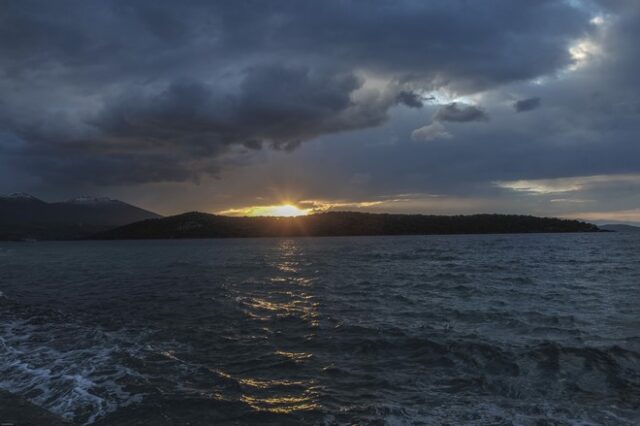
<point x="284" y="210"/>
<point x="287" y="210"/>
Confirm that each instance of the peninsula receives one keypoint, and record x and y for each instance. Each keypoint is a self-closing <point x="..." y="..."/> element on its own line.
<point x="203" y="225"/>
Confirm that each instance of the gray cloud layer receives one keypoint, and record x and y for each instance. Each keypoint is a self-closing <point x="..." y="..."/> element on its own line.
<point x="122" y="92"/>
<point x="528" y="104"/>
<point x="461" y="114"/>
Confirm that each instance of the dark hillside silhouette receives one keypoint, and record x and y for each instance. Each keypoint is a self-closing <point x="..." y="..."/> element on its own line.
<point x="202" y="225"/>
<point x="23" y="216"/>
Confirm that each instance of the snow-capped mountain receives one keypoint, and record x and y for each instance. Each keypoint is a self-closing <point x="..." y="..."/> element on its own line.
<point x="25" y="216"/>
<point x="93" y="201"/>
<point x="22" y="196"/>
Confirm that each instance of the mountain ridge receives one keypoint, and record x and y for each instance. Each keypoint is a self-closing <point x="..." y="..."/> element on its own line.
<point x="25" y="217"/>
<point x="204" y="225"/>
<point x="89" y="200"/>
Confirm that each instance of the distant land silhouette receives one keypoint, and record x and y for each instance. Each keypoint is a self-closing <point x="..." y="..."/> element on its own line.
<point x="202" y="225"/>
<point x="620" y="228"/>
<point x="24" y="217"/>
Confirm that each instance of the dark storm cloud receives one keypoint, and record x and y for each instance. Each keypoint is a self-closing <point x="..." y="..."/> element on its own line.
<point x="410" y="99"/>
<point x="117" y="92"/>
<point x="460" y="114"/>
<point x="528" y="104"/>
<point x="274" y="104"/>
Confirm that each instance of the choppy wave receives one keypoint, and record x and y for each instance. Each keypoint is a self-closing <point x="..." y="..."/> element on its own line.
<point x="74" y="371"/>
<point x="481" y="330"/>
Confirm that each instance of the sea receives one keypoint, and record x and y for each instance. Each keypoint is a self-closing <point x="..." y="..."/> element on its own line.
<point x="532" y="329"/>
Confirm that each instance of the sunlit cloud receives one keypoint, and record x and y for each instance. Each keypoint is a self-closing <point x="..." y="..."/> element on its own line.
<point x="326" y="205"/>
<point x="569" y="200"/>
<point x="379" y="202"/>
<point x="283" y="210"/>
<point x="305" y="207"/>
<point x="311" y="206"/>
<point x="585" y="50"/>
<point x="582" y="52"/>
<point x="570" y="184"/>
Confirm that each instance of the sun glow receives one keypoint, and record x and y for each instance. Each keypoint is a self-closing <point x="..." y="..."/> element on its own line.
<point x="284" y="210"/>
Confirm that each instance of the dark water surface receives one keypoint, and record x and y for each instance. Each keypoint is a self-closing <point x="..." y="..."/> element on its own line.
<point x="469" y="330"/>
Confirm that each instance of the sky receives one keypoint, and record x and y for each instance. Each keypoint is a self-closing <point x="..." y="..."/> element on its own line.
<point x="403" y="106"/>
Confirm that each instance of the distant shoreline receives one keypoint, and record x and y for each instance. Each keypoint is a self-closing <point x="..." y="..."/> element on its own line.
<point x="27" y="218"/>
<point x="335" y="224"/>
<point x="79" y="240"/>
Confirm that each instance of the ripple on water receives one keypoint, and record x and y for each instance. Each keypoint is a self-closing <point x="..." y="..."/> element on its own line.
<point x="469" y="330"/>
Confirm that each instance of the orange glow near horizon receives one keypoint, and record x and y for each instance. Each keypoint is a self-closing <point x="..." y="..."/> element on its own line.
<point x="283" y="210"/>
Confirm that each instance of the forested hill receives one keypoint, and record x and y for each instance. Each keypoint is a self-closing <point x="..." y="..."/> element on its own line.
<point x="202" y="225"/>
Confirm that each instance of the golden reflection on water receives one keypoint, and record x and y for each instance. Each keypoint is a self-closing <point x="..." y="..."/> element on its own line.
<point x="265" y="384"/>
<point x="286" y="396"/>
<point x="286" y="297"/>
<point x="295" y="356"/>
<point x="302" y="307"/>
<point x="283" y="404"/>
<point x="171" y="355"/>
<point x="288" y="257"/>
<point x="287" y="401"/>
<point x="288" y="293"/>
